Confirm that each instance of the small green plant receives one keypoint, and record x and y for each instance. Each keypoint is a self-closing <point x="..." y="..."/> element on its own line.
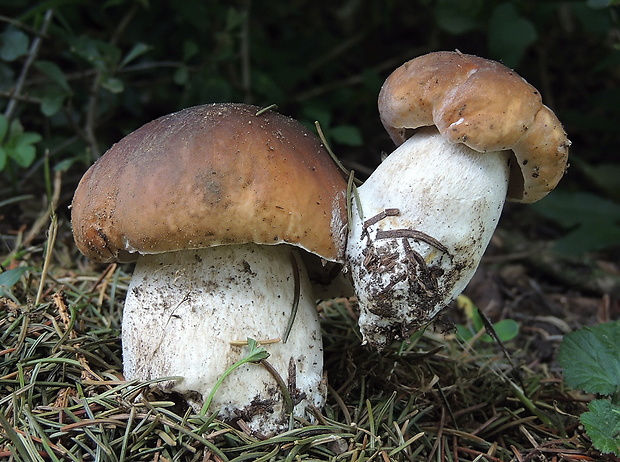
<point x="16" y="143"/>
<point x="590" y="359"/>
<point x="9" y="278"/>
<point x="505" y="330"/>
<point x="256" y="354"/>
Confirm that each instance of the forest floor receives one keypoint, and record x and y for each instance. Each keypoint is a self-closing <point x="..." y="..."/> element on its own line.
<point x="433" y="397"/>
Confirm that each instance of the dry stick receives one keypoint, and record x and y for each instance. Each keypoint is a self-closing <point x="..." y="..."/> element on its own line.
<point x="491" y="331"/>
<point x="296" y="295"/>
<point x="32" y="56"/>
<point x="380" y="216"/>
<point x="413" y="234"/>
<point x="91" y="110"/>
<point x="331" y="153"/>
<point x="351" y="194"/>
<point x="40" y="222"/>
<point x="288" y="400"/>
<point x="51" y="239"/>
<point x="271" y="107"/>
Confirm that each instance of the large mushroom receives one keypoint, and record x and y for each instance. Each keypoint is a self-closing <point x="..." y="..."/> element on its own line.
<point x="220" y="204"/>
<point x="471" y="133"/>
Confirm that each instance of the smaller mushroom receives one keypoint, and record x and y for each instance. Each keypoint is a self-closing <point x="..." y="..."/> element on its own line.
<point x="220" y="205"/>
<point x="471" y="133"/>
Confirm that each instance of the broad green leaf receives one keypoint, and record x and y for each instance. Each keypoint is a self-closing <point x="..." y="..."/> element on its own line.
<point x="605" y="176"/>
<point x="316" y="113"/>
<point x="347" y="135"/>
<point x="10" y="277"/>
<point x="595" y="221"/>
<point x="54" y="73"/>
<point x="23" y="154"/>
<point x="596" y="21"/>
<point x="113" y="85"/>
<point x="4" y="127"/>
<point x="190" y="49"/>
<point x="181" y="75"/>
<point x="577" y="208"/>
<point x="458" y="16"/>
<point x="591" y="237"/>
<point x="137" y="50"/>
<point x="64" y="164"/>
<point x="103" y="56"/>
<point x="51" y="103"/>
<point x="590" y="358"/>
<point x="3" y="158"/>
<point x="602" y="423"/>
<point x="510" y="34"/>
<point x="13" y="44"/>
<point x="601" y="3"/>
<point x="28" y="138"/>
<point x="506" y="330"/>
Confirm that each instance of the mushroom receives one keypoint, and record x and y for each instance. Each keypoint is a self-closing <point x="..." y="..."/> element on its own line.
<point x="471" y="133"/>
<point x="219" y="204"/>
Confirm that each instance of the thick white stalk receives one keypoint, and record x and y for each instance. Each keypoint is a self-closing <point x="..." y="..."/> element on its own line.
<point x="185" y="310"/>
<point x="429" y="211"/>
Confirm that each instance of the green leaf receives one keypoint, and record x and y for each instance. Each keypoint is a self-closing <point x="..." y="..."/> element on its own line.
<point x="181" y="75"/>
<point x="593" y="219"/>
<point x="577" y="208"/>
<point x="23" y="154"/>
<point x="103" y="56"/>
<point x="13" y="44"/>
<point x="316" y="113"/>
<point x="602" y="423"/>
<point x="256" y="353"/>
<point x="190" y="49"/>
<point x="54" y="73"/>
<point x="64" y="164"/>
<point x="506" y="330"/>
<point x="28" y="138"/>
<point x="591" y="237"/>
<point x="347" y="135"/>
<point x="458" y="16"/>
<point x="590" y="358"/>
<point x="138" y="50"/>
<point x="510" y="34"/>
<point x="113" y="85"/>
<point x="10" y="277"/>
<point x="605" y="175"/>
<point x="51" y="103"/>
<point x="3" y="158"/>
<point x="4" y="127"/>
<point x="601" y="3"/>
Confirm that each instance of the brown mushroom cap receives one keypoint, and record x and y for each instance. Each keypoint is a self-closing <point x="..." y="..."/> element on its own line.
<point x="484" y="105"/>
<point x="211" y="175"/>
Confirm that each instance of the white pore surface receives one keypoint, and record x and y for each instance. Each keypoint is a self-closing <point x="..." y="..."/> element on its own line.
<point x="447" y="191"/>
<point x="184" y="309"/>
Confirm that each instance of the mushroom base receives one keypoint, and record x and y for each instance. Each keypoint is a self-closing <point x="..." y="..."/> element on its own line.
<point x="429" y="211"/>
<point x="188" y="313"/>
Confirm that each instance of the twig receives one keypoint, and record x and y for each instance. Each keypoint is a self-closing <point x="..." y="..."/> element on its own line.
<point x="51" y="239"/>
<point x="91" y="110"/>
<point x="296" y="295"/>
<point x="32" y="56"/>
<point x="51" y="208"/>
<point x="348" y="173"/>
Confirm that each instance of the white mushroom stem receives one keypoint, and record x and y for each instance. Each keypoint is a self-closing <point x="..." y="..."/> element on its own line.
<point x="186" y="312"/>
<point x="429" y="211"/>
